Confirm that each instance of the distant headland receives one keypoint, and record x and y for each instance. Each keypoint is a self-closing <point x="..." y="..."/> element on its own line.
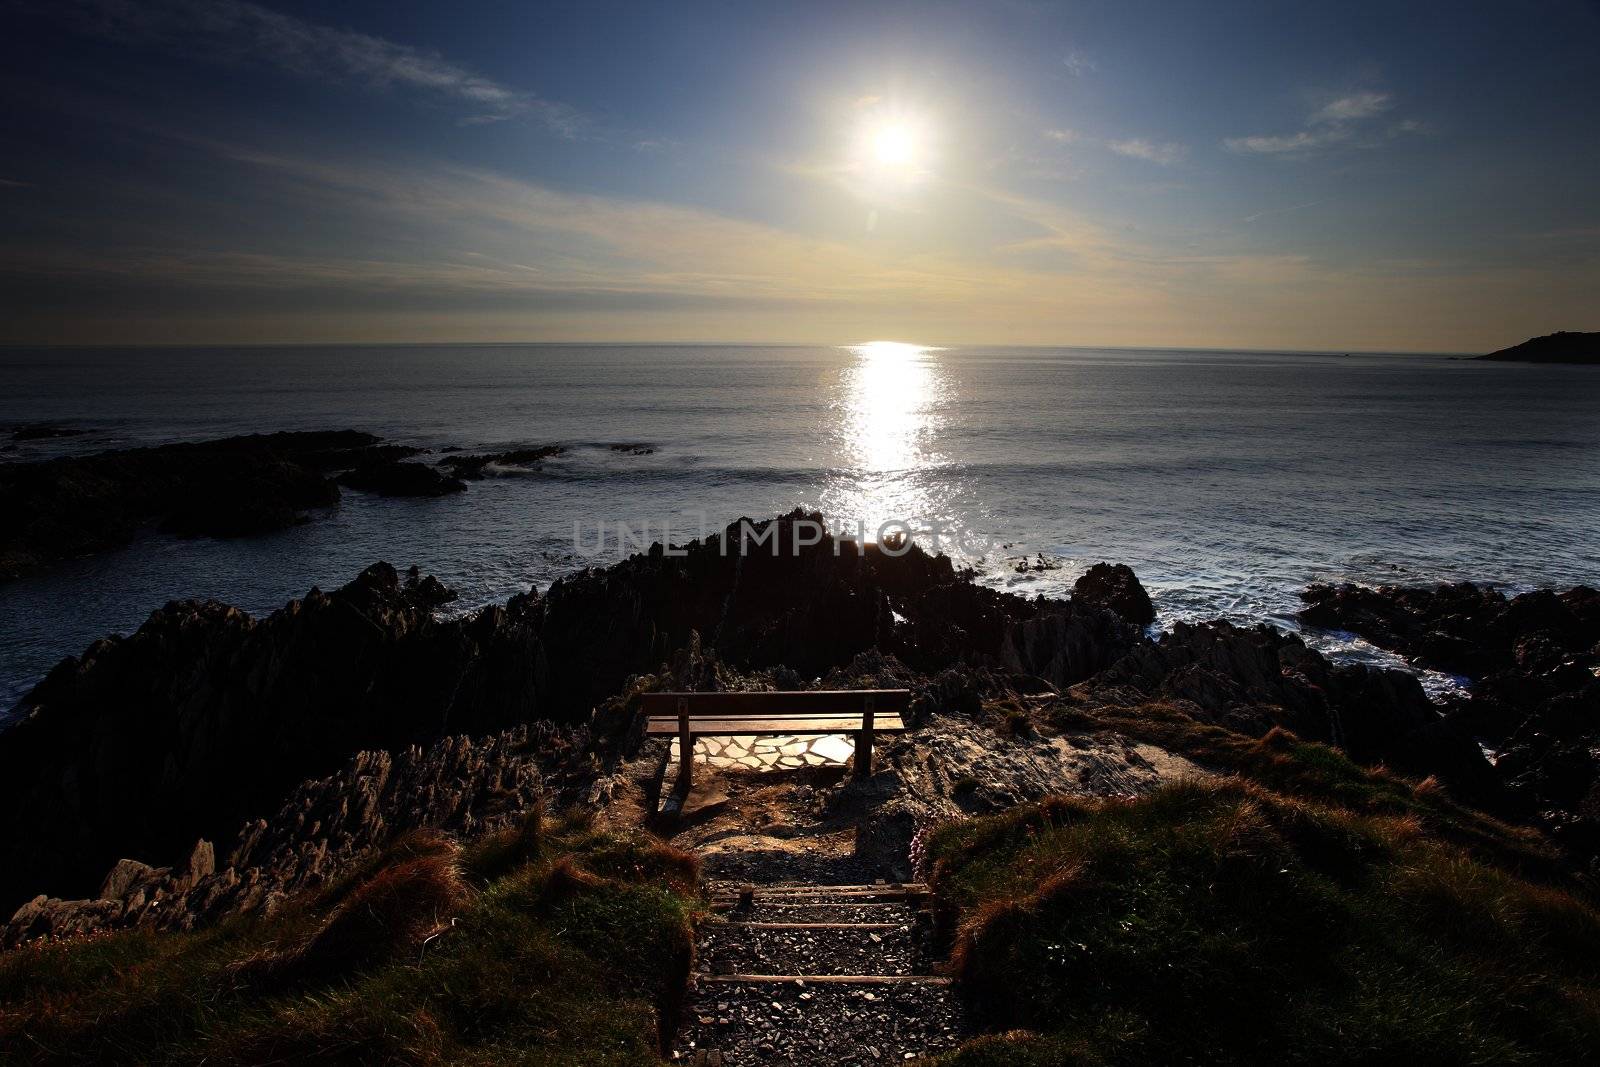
<point x="1566" y="346"/>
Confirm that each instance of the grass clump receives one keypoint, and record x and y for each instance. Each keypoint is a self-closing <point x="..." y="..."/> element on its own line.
<point x="1224" y="921"/>
<point x="550" y="943"/>
<point x="1313" y="771"/>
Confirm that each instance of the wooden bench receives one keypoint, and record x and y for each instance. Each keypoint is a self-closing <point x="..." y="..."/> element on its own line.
<point x="860" y="712"/>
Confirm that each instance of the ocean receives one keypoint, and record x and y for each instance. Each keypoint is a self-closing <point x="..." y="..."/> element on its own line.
<point x="1227" y="480"/>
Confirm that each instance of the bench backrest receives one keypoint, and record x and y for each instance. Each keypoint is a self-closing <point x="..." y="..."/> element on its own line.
<point x="767" y="705"/>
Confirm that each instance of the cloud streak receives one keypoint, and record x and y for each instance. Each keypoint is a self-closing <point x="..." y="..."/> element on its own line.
<point x="1166" y="153"/>
<point x="1342" y="120"/>
<point x="243" y="32"/>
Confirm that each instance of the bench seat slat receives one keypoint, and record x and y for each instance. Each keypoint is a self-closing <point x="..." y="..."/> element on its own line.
<point x="819" y="724"/>
<point x="767" y="705"/>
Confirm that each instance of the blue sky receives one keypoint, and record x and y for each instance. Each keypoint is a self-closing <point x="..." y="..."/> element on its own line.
<point x="1397" y="176"/>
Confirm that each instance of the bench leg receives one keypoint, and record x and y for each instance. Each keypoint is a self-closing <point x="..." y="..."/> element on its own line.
<point x="685" y="761"/>
<point x="863" y="754"/>
<point x="685" y="748"/>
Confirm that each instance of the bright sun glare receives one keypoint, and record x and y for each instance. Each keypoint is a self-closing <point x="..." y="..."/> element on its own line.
<point x="893" y="147"/>
<point x="894" y="144"/>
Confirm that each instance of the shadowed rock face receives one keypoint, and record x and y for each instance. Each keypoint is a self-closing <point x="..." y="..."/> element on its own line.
<point x="206" y="716"/>
<point x="478" y="467"/>
<point x="1252" y="679"/>
<point x="397" y="478"/>
<point x="810" y="608"/>
<point x="1534" y="695"/>
<point x="1467" y="629"/>
<point x="321" y="831"/>
<point x="233" y="487"/>
<point x="1115" y="588"/>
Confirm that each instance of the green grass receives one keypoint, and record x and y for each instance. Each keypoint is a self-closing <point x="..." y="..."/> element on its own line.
<point x="1282" y="762"/>
<point x="552" y="944"/>
<point x="1227" y="921"/>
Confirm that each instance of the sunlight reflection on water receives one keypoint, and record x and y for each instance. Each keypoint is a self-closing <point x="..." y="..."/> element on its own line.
<point x="891" y="405"/>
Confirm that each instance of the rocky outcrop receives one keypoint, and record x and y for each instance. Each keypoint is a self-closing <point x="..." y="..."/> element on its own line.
<point x="1563" y="346"/>
<point x="1116" y="588"/>
<point x="1252" y="679"/>
<point x="783" y="592"/>
<point x="1534" y="697"/>
<point x="1467" y="629"/>
<point x="399" y="478"/>
<point x="233" y="487"/>
<point x="486" y="465"/>
<point x="206" y="716"/>
<point x="322" y="831"/>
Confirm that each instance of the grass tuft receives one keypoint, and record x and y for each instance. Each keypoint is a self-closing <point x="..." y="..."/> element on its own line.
<point x="517" y="974"/>
<point x="1225" y="921"/>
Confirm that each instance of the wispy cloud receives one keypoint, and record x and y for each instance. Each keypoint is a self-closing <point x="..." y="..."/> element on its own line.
<point x="1304" y="141"/>
<point x="1281" y="210"/>
<point x="1342" y="120"/>
<point x="1060" y="136"/>
<point x="1353" y="107"/>
<point x="242" y="32"/>
<point x="1079" y="63"/>
<point x="1165" y="153"/>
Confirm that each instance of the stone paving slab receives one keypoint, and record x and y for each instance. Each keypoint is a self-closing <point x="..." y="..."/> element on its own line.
<point x="768" y="752"/>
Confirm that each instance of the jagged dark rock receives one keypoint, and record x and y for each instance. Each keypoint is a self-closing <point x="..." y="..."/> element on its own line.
<point x="399" y="478"/>
<point x="206" y="716"/>
<point x="1116" y="588"/>
<point x="1252" y="679"/>
<point x="478" y="466"/>
<point x="809" y="607"/>
<point x="1564" y="346"/>
<point x="232" y="487"/>
<point x="1534" y="697"/>
<point x="322" y="830"/>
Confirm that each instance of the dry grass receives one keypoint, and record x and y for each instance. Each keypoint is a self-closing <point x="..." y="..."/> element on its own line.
<point x="560" y="945"/>
<point x="1225" y="921"/>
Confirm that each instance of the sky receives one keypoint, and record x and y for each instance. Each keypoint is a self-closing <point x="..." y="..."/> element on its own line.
<point x="1402" y="176"/>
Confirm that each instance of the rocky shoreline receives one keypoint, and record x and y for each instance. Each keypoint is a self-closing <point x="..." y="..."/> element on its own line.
<point x="355" y="714"/>
<point x="232" y="487"/>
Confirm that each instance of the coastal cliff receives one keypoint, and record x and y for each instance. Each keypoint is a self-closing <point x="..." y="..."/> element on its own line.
<point x="1565" y="346"/>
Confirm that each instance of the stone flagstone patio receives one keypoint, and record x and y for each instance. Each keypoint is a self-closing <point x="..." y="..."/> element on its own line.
<point x="785" y="752"/>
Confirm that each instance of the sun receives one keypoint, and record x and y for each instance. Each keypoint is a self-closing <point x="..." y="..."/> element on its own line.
<point x="894" y="144"/>
<point x="893" y="147"/>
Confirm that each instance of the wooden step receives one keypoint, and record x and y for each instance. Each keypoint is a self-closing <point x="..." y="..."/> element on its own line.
<point x="826" y="979"/>
<point x="812" y="926"/>
<point x="792" y="887"/>
<point x="851" y="892"/>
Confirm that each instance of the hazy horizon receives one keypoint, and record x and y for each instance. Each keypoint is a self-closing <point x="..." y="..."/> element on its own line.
<point x="1243" y="176"/>
<point x="930" y="346"/>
